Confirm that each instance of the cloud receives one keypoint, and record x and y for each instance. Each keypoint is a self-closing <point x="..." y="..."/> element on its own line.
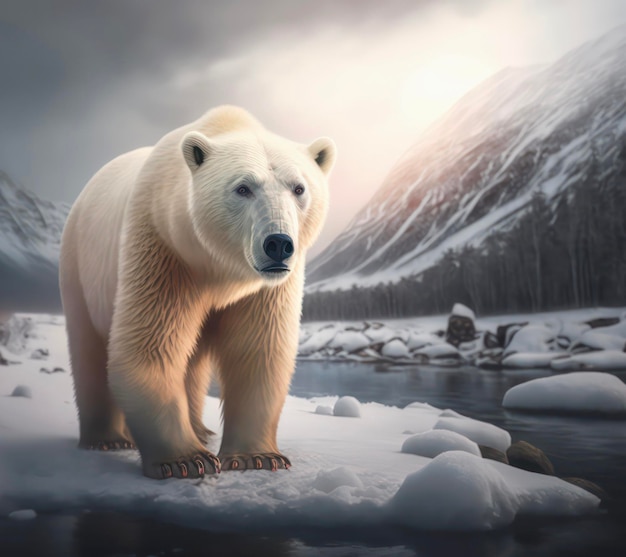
<point x="86" y="81"/>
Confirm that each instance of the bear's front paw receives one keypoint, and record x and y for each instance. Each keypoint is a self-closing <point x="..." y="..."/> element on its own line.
<point x="259" y="461"/>
<point x="196" y="466"/>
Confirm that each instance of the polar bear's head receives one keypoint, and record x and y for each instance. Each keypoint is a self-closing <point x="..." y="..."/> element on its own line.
<point x="257" y="201"/>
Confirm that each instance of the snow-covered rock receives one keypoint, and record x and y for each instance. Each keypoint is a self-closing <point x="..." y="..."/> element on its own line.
<point x="598" y="340"/>
<point x="532" y="338"/>
<point x="466" y="492"/>
<point x="437" y="441"/>
<point x="480" y="432"/>
<point x="350" y="341"/>
<point x="395" y="349"/>
<point x="380" y="333"/>
<point x="574" y="392"/>
<point x="318" y="340"/>
<point x="348" y="407"/>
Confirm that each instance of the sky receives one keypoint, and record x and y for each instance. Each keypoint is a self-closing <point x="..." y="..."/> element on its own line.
<point x="82" y="82"/>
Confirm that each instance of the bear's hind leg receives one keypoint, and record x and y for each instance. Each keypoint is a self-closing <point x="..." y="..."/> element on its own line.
<point x="197" y="381"/>
<point x="102" y="423"/>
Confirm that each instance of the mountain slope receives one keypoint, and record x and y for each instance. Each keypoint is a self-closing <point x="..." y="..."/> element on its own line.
<point x="30" y="236"/>
<point x="476" y="170"/>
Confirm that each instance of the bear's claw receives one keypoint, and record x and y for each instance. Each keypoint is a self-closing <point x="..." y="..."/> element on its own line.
<point x="264" y="461"/>
<point x="193" y="467"/>
<point x="111" y="446"/>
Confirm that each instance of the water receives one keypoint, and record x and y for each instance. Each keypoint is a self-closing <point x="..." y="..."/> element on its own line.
<point x="590" y="448"/>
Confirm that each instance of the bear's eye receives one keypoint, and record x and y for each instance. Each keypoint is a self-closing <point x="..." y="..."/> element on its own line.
<point x="299" y="189"/>
<point x="244" y="191"/>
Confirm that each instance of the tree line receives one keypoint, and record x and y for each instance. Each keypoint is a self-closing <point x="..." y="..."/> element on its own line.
<point x="568" y="252"/>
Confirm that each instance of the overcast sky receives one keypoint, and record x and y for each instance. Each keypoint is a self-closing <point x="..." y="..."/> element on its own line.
<point x="81" y="82"/>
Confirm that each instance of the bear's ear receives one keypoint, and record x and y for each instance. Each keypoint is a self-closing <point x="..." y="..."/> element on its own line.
<point x="197" y="148"/>
<point x="324" y="153"/>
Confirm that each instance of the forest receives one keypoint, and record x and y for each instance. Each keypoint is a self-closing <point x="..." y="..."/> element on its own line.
<point x="566" y="252"/>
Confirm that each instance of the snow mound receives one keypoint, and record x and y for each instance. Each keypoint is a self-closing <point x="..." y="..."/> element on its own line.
<point x="328" y="481"/>
<point x="574" y="392"/>
<point x="532" y="338"/>
<point x="466" y="492"/>
<point x="395" y="349"/>
<point x="479" y="432"/>
<point x="463" y="493"/>
<point x="324" y="410"/>
<point x="435" y="442"/>
<point x="348" y="407"/>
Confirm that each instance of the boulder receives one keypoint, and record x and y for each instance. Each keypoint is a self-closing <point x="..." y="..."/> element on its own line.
<point x="528" y="457"/>
<point x="461" y="326"/>
<point x="493" y="454"/>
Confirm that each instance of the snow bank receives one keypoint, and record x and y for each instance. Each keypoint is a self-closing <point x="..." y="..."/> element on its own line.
<point x="517" y="342"/>
<point x="346" y="473"/>
<point x="574" y="392"/>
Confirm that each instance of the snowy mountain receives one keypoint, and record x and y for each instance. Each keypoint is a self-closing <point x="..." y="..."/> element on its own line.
<point x="30" y="236"/>
<point x="475" y="171"/>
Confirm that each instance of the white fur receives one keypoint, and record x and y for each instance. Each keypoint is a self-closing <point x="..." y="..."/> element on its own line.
<point x="160" y="279"/>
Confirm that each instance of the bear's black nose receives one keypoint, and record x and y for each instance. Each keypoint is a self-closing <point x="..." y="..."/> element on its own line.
<point x="278" y="246"/>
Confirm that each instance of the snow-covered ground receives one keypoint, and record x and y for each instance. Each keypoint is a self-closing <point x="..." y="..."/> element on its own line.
<point x="347" y="471"/>
<point x="563" y="341"/>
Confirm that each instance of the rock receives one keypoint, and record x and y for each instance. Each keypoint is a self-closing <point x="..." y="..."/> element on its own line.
<point x="3" y="360"/>
<point x="493" y="454"/>
<point x="23" y="391"/>
<point x="460" y="325"/>
<point x="490" y="340"/>
<point x="40" y="354"/>
<point x="504" y="333"/>
<point x="602" y="322"/>
<point x="590" y="487"/>
<point x="528" y="457"/>
<point x="58" y="370"/>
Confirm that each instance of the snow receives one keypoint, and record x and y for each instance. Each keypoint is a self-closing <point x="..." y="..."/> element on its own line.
<point x="466" y="492"/>
<point x="559" y="340"/>
<point x="346" y="473"/>
<point x="479" y="432"/>
<point x="463" y="311"/>
<point x="347" y="407"/>
<point x="395" y="349"/>
<point x="324" y="410"/>
<point x="574" y="392"/>
<point x="435" y="442"/>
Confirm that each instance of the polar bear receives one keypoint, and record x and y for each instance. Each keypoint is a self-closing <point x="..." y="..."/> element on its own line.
<point x="182" y="258"/>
